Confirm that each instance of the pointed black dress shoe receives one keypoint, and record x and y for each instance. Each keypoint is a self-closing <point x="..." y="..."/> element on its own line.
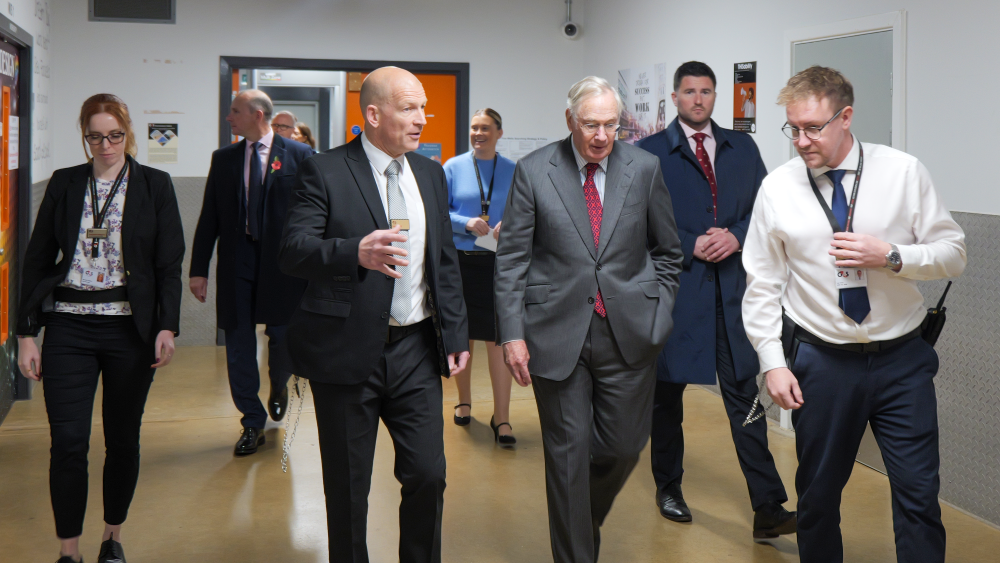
<point x="277" y="403"/>
<point x="249" y="441"/>
<point x="111" y="552"/>
<point x="671" y="503"/>
<point x="772" y="520"/>
<point x="463" y="420"/>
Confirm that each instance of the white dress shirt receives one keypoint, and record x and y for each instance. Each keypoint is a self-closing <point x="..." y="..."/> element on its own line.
<point x="786" y="253"/>
<point x="265" y="152"/>
<point x="418" y="225"/>
<point x="599" y="175"/>
<point x="709" y="141"/>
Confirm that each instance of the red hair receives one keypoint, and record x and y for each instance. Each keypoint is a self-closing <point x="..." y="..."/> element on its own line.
<point x="114" y="106"/>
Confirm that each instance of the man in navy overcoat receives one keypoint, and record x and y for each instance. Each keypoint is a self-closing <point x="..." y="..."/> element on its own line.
<point x="713" y="175"/>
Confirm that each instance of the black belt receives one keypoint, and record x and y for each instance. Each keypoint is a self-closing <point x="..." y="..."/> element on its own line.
<point x="397" y="333"/>
<point x="476" y="252"/>
<point x="858" y="348"/>
<point x="70" y="295"/>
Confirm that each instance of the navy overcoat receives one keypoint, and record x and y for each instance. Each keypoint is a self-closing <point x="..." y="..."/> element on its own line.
<point x="689" y="355"/>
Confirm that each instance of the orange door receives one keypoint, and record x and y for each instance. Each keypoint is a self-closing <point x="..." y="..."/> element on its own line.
<point x="442" y="93"/>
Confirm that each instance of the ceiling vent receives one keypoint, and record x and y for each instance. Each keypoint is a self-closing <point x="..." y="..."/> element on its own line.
<point x="133" y="11"/>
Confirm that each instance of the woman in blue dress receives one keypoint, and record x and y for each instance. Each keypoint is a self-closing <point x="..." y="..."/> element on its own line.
<point x="478" y="182"/>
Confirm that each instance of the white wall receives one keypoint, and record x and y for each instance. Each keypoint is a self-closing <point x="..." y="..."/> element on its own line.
<point x="519" y="63"/>
<point x="953" y="120"/>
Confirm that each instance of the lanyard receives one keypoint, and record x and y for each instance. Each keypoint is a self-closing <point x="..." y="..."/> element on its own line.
<point x="854" y="196"/>
<point x="98" y="232"/>
<point x="484" y="199"/>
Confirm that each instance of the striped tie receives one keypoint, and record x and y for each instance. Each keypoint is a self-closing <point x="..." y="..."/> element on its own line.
<point x="402" y="304"/>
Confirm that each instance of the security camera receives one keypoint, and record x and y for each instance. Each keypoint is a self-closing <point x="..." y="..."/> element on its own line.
<point x="571" y="30"/>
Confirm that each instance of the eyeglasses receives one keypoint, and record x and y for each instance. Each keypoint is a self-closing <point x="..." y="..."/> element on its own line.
<point x="115" y="137"/>
<point x="281" y="127"/>
<point x="812" y="133"/>
<point x="609" y="128"/>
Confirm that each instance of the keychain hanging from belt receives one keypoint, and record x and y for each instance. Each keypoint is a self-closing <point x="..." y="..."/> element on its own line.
<point x="98" y="232"/>
<point x="484" y="198"/>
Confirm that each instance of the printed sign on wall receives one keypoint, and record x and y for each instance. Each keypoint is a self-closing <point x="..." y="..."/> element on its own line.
<point x="162" y="144"/>
<point x="644" y="91"/>
<point x="745" y="97"/>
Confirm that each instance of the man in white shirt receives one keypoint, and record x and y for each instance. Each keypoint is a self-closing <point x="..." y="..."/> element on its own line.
<point x="857" y="356"/>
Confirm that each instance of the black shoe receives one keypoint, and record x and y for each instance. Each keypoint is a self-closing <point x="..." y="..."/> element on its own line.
<point x="249" y="441"/>
<point x="68" y="559"/>
<point x="463" y="420"/>
<point x="772" y="520"/>
<point x="671" y="503"/>
<point x="502" y="439"/>
<point x="277" y="404"/>
<point x="111" y="552"/>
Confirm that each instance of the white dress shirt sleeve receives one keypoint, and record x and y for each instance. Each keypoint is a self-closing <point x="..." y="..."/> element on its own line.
<point x="764" y="259"/>
<point x="939" y="251"/>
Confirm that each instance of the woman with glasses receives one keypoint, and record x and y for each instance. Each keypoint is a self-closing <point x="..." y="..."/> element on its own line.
<point x="478" y="182"/>
<point x="102" y="274"/>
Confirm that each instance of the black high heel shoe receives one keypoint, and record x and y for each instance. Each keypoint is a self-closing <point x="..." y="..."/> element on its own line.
<point x="463" y="420"/>
<point x="506" y="439"/>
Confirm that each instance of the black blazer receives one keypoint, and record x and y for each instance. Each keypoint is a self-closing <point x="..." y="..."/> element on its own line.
<point x="338" y="331"/>
<point x="223" y="218"/>
<point x="152" y="248"/>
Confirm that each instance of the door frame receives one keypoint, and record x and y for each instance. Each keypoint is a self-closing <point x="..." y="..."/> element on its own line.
<point x="459" y="70"/>
<point x="892" y="21"/>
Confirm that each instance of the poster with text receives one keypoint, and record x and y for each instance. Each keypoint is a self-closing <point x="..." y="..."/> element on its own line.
<point x="162" y="144"/>
<point x="516" y="148"/>
<point x="745" y="97"/>
<point x="644" y="91"/>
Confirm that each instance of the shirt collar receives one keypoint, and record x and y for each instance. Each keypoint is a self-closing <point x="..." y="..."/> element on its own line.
<point x="581" y="163"/>
<point x="850" y="163"/>
<point x="379" y="159"/>
<point x="689" y="132"/>
<point x="266" y="140"/>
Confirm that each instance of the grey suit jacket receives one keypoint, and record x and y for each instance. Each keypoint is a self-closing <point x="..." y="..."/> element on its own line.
<point x="547" y="268"/>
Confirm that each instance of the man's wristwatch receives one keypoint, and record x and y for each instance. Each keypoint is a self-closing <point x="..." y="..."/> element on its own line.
<point x="893" y="261"/>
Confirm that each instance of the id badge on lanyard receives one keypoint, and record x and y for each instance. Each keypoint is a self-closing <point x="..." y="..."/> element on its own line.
<point x="844" y="278"/>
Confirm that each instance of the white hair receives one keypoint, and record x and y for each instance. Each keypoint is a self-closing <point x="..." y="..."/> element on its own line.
<point x="286" y="112"/>
<point x="591" y="87"/>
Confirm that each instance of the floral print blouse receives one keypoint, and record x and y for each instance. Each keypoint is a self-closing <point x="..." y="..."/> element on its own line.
<point x="109" y="256"/>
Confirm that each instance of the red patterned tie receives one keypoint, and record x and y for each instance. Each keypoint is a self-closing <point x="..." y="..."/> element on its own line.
<point x="706" y="167"/>
<point x="595" y="209"/>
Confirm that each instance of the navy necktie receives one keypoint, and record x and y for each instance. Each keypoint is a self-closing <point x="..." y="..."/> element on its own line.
<point x="853" y="300"/>
<point x="254" y="192"/>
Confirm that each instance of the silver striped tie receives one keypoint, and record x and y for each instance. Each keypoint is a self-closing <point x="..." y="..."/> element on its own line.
<point x="401" y="302"/>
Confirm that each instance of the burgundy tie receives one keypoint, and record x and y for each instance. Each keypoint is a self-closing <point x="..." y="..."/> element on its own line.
<point x="706" y="167"/>
<point x="595" y="209"/>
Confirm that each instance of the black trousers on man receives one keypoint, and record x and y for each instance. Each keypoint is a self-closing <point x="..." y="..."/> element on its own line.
<point x="241" y="342"/>
<point x="842" y="392"/>
<point x="79" y="349"/>
<point x="667" y="448"/>
<point x="404" y="391"/>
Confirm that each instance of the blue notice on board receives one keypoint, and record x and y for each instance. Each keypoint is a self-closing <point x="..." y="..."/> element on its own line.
<point x="356" y="130"/>
<point x="430" y="150"/>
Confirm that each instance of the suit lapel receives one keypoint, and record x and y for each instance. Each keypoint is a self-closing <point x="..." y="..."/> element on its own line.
<point x="135" y="197"/>
<point x="361" y="169"/>
<point x="565" y="177"/>
<point x="617" y="182"/>
<point x="237" y="172"/>
<point x="277" y="155"/>
<point x="75" y="198"/>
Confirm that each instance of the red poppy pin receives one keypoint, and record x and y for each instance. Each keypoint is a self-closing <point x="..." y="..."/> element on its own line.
<point x="275" y="165"/>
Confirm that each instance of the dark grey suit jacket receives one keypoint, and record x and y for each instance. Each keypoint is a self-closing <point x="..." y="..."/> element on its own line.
<point x="547" y="268"/>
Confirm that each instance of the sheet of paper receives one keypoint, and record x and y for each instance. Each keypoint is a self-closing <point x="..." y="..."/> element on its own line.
<point x="487" y="241"/>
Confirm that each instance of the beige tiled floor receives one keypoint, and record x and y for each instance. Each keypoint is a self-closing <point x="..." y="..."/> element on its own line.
<point x="196" y="502"/>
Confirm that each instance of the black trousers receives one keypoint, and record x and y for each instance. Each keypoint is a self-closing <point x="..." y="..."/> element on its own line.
<point x="404" y="390"/>
<point x="241" y="343"/>
<point x="842" y="392"/>
<point x="667" y="447"/>
<point x="77" y="350"/>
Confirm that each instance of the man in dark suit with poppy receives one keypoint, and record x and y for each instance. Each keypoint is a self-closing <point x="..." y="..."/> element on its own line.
<point x="246" y="197"/>
<point x="713" y="175"/>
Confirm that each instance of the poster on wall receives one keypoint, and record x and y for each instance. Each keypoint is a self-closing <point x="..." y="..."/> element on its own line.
<point x="644" y="91"/>
<point x="162" y="144"/>
<point x="745" y="97"/>
<point x="430" y="150"/>
<point x="13" y="142"/>
<point x="516" y="148"/>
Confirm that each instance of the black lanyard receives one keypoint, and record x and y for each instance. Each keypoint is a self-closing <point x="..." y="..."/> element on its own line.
<point x="849" y="227"/>
<point x="484" y="199"/>
<point x="98" y="232"/>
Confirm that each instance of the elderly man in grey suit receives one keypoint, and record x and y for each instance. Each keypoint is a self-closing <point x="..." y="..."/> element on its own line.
<point x="586" y="273"/>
